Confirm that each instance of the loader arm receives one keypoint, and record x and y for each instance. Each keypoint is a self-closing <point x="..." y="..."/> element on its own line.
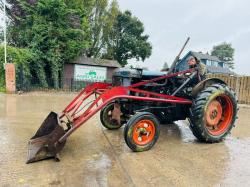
<point x="51" y="136"/>
<point x="106" y="95"/>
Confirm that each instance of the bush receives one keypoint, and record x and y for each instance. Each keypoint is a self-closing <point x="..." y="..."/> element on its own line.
<point x="2" y="89"/>
<point x="21" y="58"/>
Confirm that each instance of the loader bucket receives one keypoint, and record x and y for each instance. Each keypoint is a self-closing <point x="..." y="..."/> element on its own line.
<point x="44" y="144"/>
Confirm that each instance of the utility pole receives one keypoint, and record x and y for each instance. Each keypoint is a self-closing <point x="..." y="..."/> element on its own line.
<point x="5" y="40"/>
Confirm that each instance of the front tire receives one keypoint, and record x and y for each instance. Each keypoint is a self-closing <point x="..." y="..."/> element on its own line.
<point x="141" y="132"/>
<point x="106" y="118"/>
<point x="213" y="113"/>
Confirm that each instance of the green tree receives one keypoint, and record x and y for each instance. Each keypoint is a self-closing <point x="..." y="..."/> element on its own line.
<point x="225" y="52"/>
<point x="109" y="35"/>
<point x="97" y="21"/>
<point x="101" y="20"/>
<point x="52" y="30"/>
<point x="129" y="40"/>
<point x="58" y="31"/>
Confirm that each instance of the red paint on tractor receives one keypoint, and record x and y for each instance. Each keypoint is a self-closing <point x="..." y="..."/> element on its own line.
<point x="76" y="116"/>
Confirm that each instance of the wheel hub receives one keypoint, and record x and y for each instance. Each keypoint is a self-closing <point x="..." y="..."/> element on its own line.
<point x="214" y="113"/>
<point x="144" y="132"/>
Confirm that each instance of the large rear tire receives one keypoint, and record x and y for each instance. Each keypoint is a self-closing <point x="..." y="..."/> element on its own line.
<point x="141" y="131"/>
<point x="213" y="113"/>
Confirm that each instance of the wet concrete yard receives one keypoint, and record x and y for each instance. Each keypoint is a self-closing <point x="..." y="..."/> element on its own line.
<point x="94" y="156"/>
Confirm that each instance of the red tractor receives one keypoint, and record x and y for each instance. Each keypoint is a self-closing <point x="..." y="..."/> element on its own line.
<point x="141" y="101"/>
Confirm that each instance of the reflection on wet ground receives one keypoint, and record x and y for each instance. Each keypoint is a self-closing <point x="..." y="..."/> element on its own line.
<point x="94" y="156"/>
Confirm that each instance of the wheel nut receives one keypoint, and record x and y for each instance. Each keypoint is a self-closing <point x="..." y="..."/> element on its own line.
<point x="145" y="125"/>
<point x="139" y="139"/>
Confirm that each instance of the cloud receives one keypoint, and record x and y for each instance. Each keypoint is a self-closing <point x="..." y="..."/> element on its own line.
<point x="169" y="22"/>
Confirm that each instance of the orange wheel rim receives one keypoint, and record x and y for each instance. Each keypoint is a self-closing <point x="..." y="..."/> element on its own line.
<point x="143" y="132"/>
<point x="219" y="115"/>
<point x="213" y="113"/>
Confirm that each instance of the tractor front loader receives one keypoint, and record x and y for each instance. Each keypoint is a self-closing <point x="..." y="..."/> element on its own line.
<point x="142" y="100"/>
<point x="51" y="136"/>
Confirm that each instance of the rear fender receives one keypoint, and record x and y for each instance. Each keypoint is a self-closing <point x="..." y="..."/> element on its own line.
<point x="203" y="84"/>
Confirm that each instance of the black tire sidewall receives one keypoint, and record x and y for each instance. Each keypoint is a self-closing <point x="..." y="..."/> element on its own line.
<point x="229" y="127"/>
<point x="198" y="122"/>
<point x="106" y="124"/>
<point x="128" y="131"/>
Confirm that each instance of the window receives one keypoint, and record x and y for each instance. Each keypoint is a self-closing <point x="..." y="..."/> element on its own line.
<point x="212" y="63"/>
<point x="209" y="63"/>
<point x="215" y="63"/>
<point x="225" y="65"/>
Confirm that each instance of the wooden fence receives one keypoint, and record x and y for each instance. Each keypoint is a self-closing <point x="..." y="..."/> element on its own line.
<point x="241" y="85"/>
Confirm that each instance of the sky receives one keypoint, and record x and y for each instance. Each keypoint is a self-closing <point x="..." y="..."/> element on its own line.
<point x="208" y="23"/>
